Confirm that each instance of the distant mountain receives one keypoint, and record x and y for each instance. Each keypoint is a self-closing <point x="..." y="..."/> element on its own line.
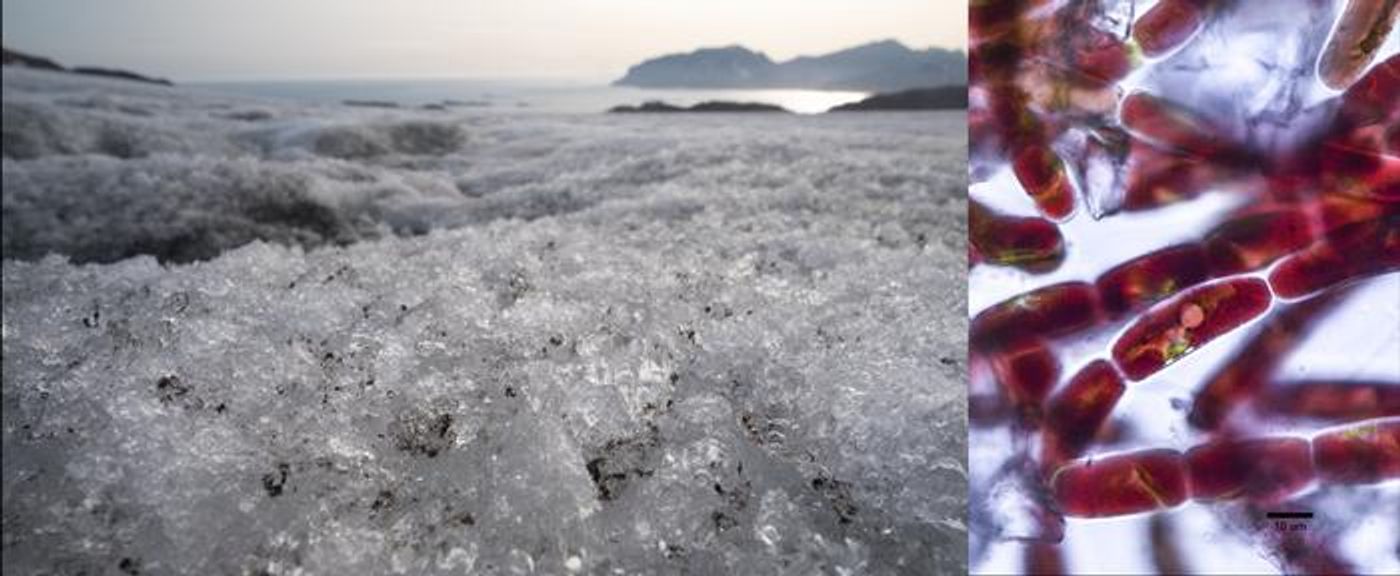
<point x="941" y="98"/>
<point x="10" y="57"/>
<point x="885" y="66"/>
<point x="707" y="106"/>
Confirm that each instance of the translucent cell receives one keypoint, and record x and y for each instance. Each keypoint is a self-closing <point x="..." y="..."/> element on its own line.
<point x="1363" y="27"/>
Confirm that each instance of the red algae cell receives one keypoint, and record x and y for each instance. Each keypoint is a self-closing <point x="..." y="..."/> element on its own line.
<point x="1251" y="241"/>
<point x="1074" y="415"/>
<point x="1237" y="164"/>
<point x="1027" y="370"/>
<point x="1363" y="453"/>
<point x="1251" y="369"/>
<point x="1042" y="174"/>
<point x="1121" y="484"/>
<point x="1032" y="244"/>
<point x="1173" y="128"/>
<point x="1050" y="311"/>
<point x="1335" y="401"/>
<point x="1160" y="337"/>
<point x="1151" y="277"/>
<point x="1358" y="250"/>
<point x="1168" y="25"/>
<point x="1257" y="469"/>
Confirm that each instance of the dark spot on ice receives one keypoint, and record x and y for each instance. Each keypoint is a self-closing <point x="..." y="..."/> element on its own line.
<point x="510" y="392"/>
<point x="723" y="522"/>
<point x="946" y="361"/>
<point x="170" y="389"/>
<point x="423" y="434"/>
<point x="838" y="495"/>
<point x="274" y="482"/>
<point x="92" y="320"/>
<point x="466" y="519"/>
<point x="382" y="501"/>
<point x="129" y="566"/>
<point x="621" y="461"/>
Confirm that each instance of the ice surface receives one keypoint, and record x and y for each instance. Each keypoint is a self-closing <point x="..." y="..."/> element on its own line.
<point x="421" y="342"/>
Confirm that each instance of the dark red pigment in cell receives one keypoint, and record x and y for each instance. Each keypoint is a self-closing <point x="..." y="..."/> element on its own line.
<point x="1250" y="241"/>
<point x="1044" y="559"/>
<point x="1074" y="415"/>
<point x="1033" y="244"/>
<point x="1181" y="326"/>
<point x="1363" y="453"/>
<point x="1176" y="129"/>
<point x="1333" y="401"/>
<point x="1147" y="279"/>
<point x="1047" y="312"/>
<point x="1252" y="368"/>
<point x="1027" y="370"/>
<point x="1257" y="469"/>
<point x="1354" y="251"/>
<point x="1169" y="24"/>
<point x="1318" y="196"/>
<point x="1042" y="174"/>
<point x="1121" y="484"/>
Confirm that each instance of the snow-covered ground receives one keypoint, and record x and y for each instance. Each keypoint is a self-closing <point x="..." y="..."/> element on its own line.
<point x="295" y="339"/>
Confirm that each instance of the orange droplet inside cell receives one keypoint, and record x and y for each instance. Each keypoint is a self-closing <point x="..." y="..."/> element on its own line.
<point x="1192" y="316"/>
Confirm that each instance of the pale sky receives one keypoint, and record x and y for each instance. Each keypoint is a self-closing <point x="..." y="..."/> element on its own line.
<point x="190" y="40"/>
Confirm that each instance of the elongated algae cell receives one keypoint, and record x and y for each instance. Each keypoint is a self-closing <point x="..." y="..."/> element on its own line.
<point x="1362" y="28"/>
<point x="1030" y="243"/>
<point x="1149" y="278"/>
<point x="1363" y="453"/>
<point x="1077" y="411"/>
<point x="1331" y="400"/>
<point x="1259" y="469"/>
<point x="1185" y="286"/>
<point x="1168" y="24"/>
<point x="1186" y="323"/>
<point x="1121" y="484"/>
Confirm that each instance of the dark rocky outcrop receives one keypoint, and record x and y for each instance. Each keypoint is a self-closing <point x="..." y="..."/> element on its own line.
<point x="885" y="66"/>
<point x="942" y="98"/>
<point x="710" y="106"/>
<point x="10" y="57"/>
<point x="120" y="75"/>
